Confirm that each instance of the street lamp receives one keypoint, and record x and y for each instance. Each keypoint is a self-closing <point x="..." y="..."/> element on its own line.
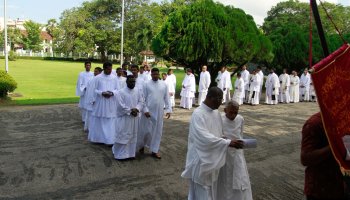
<point x="122" y="40"/>
<point x="5" y="45"/>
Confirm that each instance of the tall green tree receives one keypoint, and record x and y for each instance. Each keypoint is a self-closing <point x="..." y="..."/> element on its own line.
<point x="32" y="38"/>
<point x="14" y="37"/>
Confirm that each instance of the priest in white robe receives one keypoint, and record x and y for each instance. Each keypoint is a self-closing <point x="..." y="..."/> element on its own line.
<point x="239" y="93"/>
<point x="129" y="104"/>
<point x="103" y="117"/>
<point x="305" y="80"/>
<point x="90" y="97"/>
<point x="294" y="87"/>
<point x="83" y="79"/>
<point x="313" y="96"/>
<point x="172" y="78"/>
<point x="284" y="89"/>
<point x="234" y="183"/>
<point x="246" y="78"/>
<point x="261" y="75"/>
<point x="188" y="89"/>
<point x="121" y="78"/>
<point x="170" y="86"/>
<point x="254" y="89"/>
<point x="272" y="88"/>
<point x="204" y="83"/>
<point x="224" y="83"/>
<point x="207" y="149"/>
<point x="156" y="102"/>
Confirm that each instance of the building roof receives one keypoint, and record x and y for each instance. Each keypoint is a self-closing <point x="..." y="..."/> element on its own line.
<point x="147" y="53"/>
<point x="44" y="35"/>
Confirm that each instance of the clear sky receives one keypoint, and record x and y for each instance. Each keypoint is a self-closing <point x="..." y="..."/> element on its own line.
<point x="42" y="10"/>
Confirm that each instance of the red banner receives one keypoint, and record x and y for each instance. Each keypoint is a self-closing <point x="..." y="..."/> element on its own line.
<point x="331" y="79"/>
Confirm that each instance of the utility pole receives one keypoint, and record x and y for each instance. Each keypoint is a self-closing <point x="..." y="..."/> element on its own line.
<point x="5" y="45"/>
<point x="122" y="40"/>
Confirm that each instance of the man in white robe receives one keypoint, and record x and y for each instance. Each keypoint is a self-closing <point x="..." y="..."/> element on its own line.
<point x="313" y="97"/>
<point x="239" y="93"/>
<point x="129" y="104"/>
<point x="145" y="75"/>
<point x="294" y="87"/>
<point x="284" y="89"/>
<point x="305" y="80"/>
<point x="188" y="89"/>
<point x="103" y="117"/>
<point x="224" y="83"/>
<point x="207" y="149"/>
<point x="89" y="102"/>
<point x="203" y="86"/>
<point x="233" y="182"/>
<point x="170" y="86"/>
<point x="83" y="79"/>
<point x="121" y="78"/>
<point x="272" y="88"/>
<point x="254" y="89"/>
<point x="246" y="78"/>
<point x="156" y="102"/>
<point x="261" y="75"/>
<point x="172" y="78"/>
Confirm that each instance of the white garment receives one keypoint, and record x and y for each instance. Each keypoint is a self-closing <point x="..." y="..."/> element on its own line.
<point x="83" y="79"/>
<point x="172" y="78"/>
<point x="122" y="81"/>
<point x="234" y="183"/>
<point x="246" y="78"/>
<point x="254" y="89"/>
<point x="206" y="152"/>
<point x="239" y="93"/>
<point x="146" y="76"/>
<point x="294" y="89"/>
<point x="127" y="129"/>
<point x="89" y="101"/>
<point x="156" y="101"/>
<point x="104" y="113"/>
<point x="187" y="91"/>
<point x="272" y="85"/>
<point x="224" y="83"/>
<point x="313" y="96"/>
<point x="305" y="87"/>
<point x="203" y="86"/>
<point x="171" y="90"/>
<point x="261" y="75"/>
<point x="284" y="89"/>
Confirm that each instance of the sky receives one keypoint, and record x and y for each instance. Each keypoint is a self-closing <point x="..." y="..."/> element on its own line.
<point x="42" y="10"/>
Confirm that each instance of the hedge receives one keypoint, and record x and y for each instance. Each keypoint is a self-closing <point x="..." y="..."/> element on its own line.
<point x="7" y="84"/>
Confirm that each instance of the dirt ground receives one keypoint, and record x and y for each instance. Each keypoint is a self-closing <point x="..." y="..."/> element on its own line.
<point x="44" y="154"/>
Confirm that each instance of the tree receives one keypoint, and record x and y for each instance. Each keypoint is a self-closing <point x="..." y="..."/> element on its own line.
<point x="14" y="37"/>
<point x="208" y="33"/>
<point x="32" y="39"/>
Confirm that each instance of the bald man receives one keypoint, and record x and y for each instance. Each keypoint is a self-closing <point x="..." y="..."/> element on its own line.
<point x="203" y="86"/>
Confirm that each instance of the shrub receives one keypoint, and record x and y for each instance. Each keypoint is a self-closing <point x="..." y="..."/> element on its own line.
<point x="12" y="56"/>
<point x="7" y="84"/>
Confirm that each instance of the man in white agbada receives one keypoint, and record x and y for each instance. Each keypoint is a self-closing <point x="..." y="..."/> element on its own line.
<point x="170" y="86"/>
<point x="83" y="79"/>
<point x="188" y="89"/>
<point x="313" y="96"/>
<point x="284" y="89"/>
<point x="294" y="87"/>
<point x="90" y="97"/>
<point x="233" y="182"/>
<point x="305" y="80"/>
<point x="224" y="83"/>
<point x="129" y="104"/>
<point x="245" y="75"/>
<point x="103" y="117"/>
<point x="207" y="149"/>
<point x="204" y="83"/>
<point x="239" y="93"/>
<point x="172" y="78"/>
<point x="272" y="85"/>
<point x="254" y="89"/>
<point x="121" y="78"/>
<point x="156" y="102"/>
<point x="261" y="75"/>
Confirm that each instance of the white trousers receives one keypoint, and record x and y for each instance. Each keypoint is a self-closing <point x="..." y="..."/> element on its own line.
<point x="201" y="97"/>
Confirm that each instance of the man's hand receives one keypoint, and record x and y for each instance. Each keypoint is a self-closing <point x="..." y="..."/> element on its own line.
<point x="238" y="144"/>
<point x="147" y="114"/>
<point x="183" y="86"/>
<point x="106" y="94"/>
<point x="134" y="112"/>
<point x="224" y="89"/>
<point x="167" y="115"/>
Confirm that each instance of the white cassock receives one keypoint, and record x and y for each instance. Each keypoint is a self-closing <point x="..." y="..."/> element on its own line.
<point x="239" y="93"/>
<point x="203" y="86"/>
<point x="156" y="101"/>
<point x="294" y="89"/>
<point x="103" y="117"/>
<point x="127" y="129"/>
<point x="313" y="96"/>
<point x="122" y="81"/>
<point x="83" y="79"/>
<point x="272" y="89"/>
<point x="171" y="89"/>
<point x="245" y="75"/>
<point x="234" y="183"/>
<point x="187" y="91"/>
<point x="284" y="89"/>
<point x="206" y="153"/>
<point x="172" y="78"/>
<point x="261" y="75"/>
<point x="305" y="87"/>
<point x="224" y="83"/>
<point x="254" y="89"/>
<point x="146" y="76"/>
<point x="89" y="101"/>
